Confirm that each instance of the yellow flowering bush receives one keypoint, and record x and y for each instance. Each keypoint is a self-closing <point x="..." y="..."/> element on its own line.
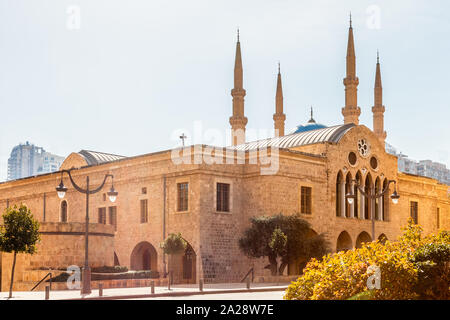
<point x="345" y="274"/>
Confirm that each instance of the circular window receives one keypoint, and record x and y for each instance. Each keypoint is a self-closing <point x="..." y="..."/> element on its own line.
<point x="352" y="158"/>
<point x="374" y="163"/>
<point x="363" y="147"/>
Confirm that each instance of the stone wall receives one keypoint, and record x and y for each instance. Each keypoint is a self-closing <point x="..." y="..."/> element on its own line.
<point x="61" y="245"/>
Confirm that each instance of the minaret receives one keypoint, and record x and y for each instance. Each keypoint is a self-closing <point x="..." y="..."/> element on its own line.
<point x="238" y="120"/>
<point x="279" y="117"/>
<point x="378" y="108"/>
<point x="351" y="111"/>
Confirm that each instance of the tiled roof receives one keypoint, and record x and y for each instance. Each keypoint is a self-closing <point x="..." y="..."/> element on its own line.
<point x="94" y="157"/>
<point x="329" y="134"/>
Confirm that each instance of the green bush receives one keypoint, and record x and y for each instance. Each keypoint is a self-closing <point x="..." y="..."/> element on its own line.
<point x="62" y="277"/>
<point x="110" y="269"/>
<point x="433" y="263"/>
<point x="150" y="274"/>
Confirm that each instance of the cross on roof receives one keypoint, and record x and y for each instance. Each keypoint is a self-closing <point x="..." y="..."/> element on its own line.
<point x="183" y="137"/>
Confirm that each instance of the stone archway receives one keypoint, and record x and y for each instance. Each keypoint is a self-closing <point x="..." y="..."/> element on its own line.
<point x="382" y="238"/>
<point x="344" y="242"/>
<point x="362" y="237"/>
<point x="296" y="267"/>
<point x="144" y="257"/>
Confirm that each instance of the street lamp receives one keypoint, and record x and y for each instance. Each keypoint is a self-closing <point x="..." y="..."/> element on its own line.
<point x="112" y="194"/>
<point x="371" y="196"/>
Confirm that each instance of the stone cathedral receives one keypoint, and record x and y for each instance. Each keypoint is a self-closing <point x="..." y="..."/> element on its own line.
<point x="210" y="204"/>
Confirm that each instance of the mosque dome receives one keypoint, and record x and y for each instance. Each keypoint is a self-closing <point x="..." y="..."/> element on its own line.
<point x="311" y="125"/>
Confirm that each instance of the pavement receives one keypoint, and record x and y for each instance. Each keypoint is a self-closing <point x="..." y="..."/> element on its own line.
<point x="145" y="292"/>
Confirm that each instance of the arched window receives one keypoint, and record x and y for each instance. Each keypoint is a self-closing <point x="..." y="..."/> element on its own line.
<point x="378" y="201"/>
<point x="367" y="187"/>
<point x="339" y="191"/>
<point x="348" y="206"/>
<point x="64" y="211"/>
<point x="358" y="195"/>
<point x="385" y="209"/>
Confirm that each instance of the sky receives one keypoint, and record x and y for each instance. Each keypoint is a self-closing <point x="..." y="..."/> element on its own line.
<point x="126" y="77"/>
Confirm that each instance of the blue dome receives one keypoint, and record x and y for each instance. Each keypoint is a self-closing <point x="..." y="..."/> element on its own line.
<point x="311" y="125"/>
<point x="308" y="127"/>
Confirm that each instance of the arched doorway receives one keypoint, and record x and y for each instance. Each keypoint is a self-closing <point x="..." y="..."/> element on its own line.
<point x="296" y="267"/>
<point x="344" y="242"/>
<point x="183" y="266"/>
<point x="382" y="238"/>
<point x="362" y="237"/>
<point x="144" y="257"/>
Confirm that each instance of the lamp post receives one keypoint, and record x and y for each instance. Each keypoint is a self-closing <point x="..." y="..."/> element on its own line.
<point x="112" y="193"/>
<point x="371" y="196"/>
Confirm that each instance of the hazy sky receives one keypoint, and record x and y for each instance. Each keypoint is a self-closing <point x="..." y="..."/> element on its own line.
<point x="133" y="73"/>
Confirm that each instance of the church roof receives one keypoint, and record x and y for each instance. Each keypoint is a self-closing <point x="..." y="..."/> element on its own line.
<point x="95" y="157"/>
<point x="328" y="134"/>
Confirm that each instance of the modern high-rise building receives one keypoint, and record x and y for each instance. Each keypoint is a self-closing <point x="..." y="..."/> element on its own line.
<point x="29" y="160"/>
<point x="425" y="168"/>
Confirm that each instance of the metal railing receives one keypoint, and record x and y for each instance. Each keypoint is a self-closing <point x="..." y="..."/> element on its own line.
<point x="48" y="274"/>
<point x="248" y="273"/>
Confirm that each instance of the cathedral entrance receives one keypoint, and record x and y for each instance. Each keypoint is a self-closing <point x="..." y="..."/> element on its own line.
<point x="144" y="257"/>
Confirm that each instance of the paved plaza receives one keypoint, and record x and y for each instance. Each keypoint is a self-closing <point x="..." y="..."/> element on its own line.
<point x="258" y="291"/>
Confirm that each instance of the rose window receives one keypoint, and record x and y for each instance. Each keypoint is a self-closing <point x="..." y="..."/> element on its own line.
<point x="363" y="148"/>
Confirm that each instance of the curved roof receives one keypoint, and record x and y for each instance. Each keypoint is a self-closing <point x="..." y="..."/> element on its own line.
<point x="94" y="157"/>
<point x="328" y="134"/>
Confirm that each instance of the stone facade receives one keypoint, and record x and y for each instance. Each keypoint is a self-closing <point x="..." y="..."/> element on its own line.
<point x="213" y="235"/>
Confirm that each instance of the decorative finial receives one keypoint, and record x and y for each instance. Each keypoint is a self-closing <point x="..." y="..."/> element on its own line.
<point x="238" y="34"/>
<point x="378" y="56"/>
<point x="312" y="119"/>
<point x="350" y="19"/>
<point x="278" y="67"/>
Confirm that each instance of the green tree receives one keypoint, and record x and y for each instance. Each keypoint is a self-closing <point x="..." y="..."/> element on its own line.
<point x="172" y="245"/>
<point x="258" y="238"/>
<point x="19" y="234"/>
<point x="278" y="243"/>
<point x="433" y="263"/>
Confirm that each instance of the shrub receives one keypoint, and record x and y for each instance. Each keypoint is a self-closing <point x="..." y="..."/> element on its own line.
<point x="285" y="236"/>
<point x="150" y="274"/>
<point x="110" y="269"/>
<point x="412" y="267"/>
<point x="433" y="263"/>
